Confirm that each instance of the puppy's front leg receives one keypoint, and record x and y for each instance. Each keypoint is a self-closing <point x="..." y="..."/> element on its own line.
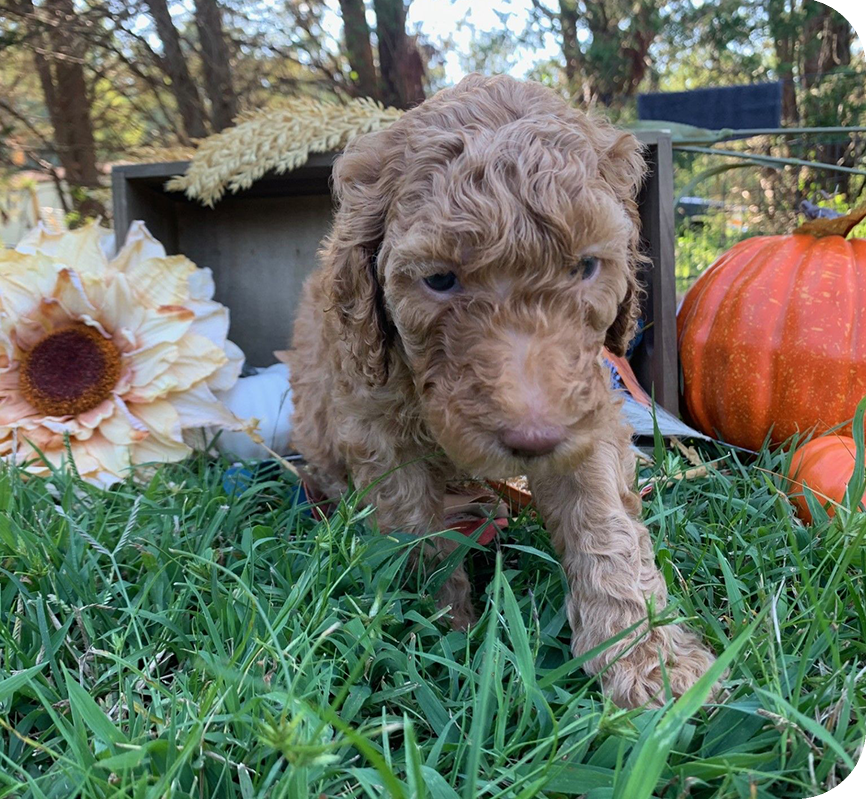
<point x="410" y="498"/>
<point x="593" y="517"/>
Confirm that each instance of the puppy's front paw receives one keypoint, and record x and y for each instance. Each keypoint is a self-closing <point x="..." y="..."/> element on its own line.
<point x="455" y="593"/>
<point x="463" y="619"/>
<point x="636" y="678"/>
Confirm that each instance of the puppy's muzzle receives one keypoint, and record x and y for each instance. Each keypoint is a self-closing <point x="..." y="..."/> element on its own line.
<point x="532" y="440"/>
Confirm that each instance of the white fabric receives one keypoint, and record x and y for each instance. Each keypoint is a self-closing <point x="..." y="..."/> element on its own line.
<point x="267" y="397"/>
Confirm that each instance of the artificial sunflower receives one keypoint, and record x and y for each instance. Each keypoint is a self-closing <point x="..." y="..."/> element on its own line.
<point x="119" y="355"/>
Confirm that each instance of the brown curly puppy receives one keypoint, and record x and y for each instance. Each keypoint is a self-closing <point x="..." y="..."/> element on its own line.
<point x="483" y="253"/>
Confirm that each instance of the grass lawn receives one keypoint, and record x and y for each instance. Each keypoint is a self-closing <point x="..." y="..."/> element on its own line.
<point x="171" y="640"/>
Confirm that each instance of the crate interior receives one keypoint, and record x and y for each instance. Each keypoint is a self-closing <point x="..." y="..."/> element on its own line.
<point x="260" y="244"/>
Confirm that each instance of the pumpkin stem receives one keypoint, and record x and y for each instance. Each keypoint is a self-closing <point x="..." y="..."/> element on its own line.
<point x="837" y="226"/>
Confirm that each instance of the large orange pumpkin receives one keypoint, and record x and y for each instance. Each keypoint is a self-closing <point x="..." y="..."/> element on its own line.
<point x="772" y="335"/>
<point x="825" y="465"/>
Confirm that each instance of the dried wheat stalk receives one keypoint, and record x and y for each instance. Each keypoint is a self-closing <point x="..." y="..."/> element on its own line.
<point x="147" y="155"/>
<point x="276" y="140"/>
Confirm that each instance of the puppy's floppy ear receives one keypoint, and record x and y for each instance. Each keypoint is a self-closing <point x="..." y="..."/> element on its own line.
<point x="620" y="334"/>
<point x="364" y="180"/>
<point x="623" y="168"/>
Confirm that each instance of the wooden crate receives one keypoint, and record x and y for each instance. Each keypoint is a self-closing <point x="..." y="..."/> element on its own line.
<point x="261" y="244"/>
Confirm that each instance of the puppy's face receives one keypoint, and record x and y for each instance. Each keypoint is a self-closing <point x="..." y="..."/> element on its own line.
<point x="488" y="240"/>
<point x="502" y="273"/>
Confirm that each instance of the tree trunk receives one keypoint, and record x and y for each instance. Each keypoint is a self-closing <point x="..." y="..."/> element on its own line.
<point x="173" y="63"/>
<point x="784" y="70"/>
<point x="638" y="56"/>
<point x="812" y="44"/>
<point x="569" y="22"/>
<point x="216" y="64"/>
<point x="413" y="73"/>
<point x="827" y="43"/>
<point x="357" y="35"/>
<point x="843" y="41"/>
<point x="58" y="56"/>
<point x="644" y="32"/>
<point x="789" y="105"/>
<point x="71" y="105"/>
<point x="401" y="67"/>
<point x="840" y="34"/>
<point x="825" y="47"/>
<point x="782" y="33"/>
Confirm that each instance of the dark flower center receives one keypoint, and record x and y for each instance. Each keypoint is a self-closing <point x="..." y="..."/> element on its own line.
<point x="70" y="371"/>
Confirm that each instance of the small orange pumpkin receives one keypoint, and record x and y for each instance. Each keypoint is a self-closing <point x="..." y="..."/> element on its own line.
<point x="772" y="335"/>
<point x="825" y="465"/>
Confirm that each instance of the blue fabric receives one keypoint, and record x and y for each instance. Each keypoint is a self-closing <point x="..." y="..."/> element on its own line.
<point x="614" y="375"/>
<point x="754" y="106"/>
<point x="637" y="339"/>
<point x="236" y="479"/>
<point x="240" y="477"/>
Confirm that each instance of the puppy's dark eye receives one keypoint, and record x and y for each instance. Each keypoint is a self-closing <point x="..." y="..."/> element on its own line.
<point x="586" y="268"/>
<point x="441" y="282"/>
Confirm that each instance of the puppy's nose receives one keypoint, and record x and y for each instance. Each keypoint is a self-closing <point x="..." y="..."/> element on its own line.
<point x="533" y="440"/>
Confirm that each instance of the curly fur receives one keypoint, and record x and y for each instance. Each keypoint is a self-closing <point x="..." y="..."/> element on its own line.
<point x="505" y="185"/>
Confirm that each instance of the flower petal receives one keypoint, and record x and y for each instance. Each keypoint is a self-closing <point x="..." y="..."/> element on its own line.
<point x="201" y="284"/>
<point x="59" y="426"/>
<point x="41" y="437"/>
<point x="95" y="416"/>
<point x="81" y="249"/>
<point x="110" y="458"/>
<point x="122" y="428"/>
<point x="161" y="282"/>
<point x="225" y="377"/>
<point x="157" y="449"/>
<point x="211" y="320"/>
<point x="139" y="246"/>
<point x="7" y="350"/>
<point x="46" y="316"/>
<point x="192" y="359"/>
<point x="88" y="320"/>
<point x="124" y="383"/>
<point x="166" y="324"/>
<point x="24" y="281"/>
<point x="8" y="382"/>
<point x="16" y="411"/>
<point x="54" y="457"/>
<point x="70" y="293"/>
<point x="159" y="417"/>
<point x="120" y="310"/>
<point x="198" y="407"/>
<point x="146" y="365"/>
<point x="198" y="358"/>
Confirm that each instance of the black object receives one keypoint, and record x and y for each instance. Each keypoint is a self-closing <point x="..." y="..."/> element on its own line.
<point x="754" y="106"/>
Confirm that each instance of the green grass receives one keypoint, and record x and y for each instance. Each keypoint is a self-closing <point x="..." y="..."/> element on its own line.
<point x="169" y="640"/>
